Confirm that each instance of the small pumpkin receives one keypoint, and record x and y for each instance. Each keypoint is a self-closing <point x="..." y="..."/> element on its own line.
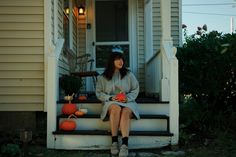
<point x="79" y="113"/>
<point x="82" y="97"/>
<point x="68" y="124"/>
<point x="69" y="108"/>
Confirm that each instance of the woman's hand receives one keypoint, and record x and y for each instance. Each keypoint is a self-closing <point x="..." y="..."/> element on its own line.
<point x="121" y="97"/>
<point x="123" y="100"/>
<point x="115" y="98"/>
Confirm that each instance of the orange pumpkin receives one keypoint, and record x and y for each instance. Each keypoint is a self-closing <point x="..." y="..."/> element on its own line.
<point x="68" y="109"/>
<point x="67" y="125"/>
<point x="82" y="97"/>
<point x="120" y="96"/>
<point x="79" y="113"/>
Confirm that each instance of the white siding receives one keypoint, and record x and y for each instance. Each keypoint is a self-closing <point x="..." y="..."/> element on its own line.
<point x="140" y="42"/>
<point x="21" y="55"/>
<point x="60" y="18"/>
<point x="156" y="25"/>
<point x="63" y="64"/>
<point x="74" y="31"/>
<point x="175" y="22"/>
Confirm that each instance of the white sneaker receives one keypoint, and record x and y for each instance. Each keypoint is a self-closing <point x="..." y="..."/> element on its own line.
<point x="114" y="148"/>
<point x="124" y="151"/>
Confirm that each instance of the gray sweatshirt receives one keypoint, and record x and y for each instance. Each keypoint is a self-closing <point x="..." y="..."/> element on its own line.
<point x="108" y="88"/>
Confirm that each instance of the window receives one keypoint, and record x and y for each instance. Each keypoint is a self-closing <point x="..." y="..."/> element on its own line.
<point x="112" y="28"/>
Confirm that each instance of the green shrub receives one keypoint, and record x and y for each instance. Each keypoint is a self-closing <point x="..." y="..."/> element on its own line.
<point x="10" y="150"/>
<point x="207" y="70"/>
<point x="207" y="82"/>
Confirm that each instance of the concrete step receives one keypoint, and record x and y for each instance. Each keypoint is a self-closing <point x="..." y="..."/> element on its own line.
<point x="101" y="140"/>
<point x="146" y="123"/>
<point x="144" y="108"/>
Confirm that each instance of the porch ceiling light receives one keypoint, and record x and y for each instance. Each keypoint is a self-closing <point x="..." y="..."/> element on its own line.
<point x="81" y="10"/>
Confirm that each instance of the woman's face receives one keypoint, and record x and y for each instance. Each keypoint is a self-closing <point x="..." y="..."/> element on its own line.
<point x="118" y="62"/>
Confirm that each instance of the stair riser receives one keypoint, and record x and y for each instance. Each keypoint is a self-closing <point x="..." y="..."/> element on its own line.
<point x="93" y="108"/>
<point x="136" y="125"/>
<point x="100" y="142"/>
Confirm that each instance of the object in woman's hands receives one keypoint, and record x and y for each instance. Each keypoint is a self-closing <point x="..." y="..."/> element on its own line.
<point x="121" y="96"/>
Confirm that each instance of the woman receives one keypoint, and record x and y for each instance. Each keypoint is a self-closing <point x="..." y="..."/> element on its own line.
<point x="119" y="109"/>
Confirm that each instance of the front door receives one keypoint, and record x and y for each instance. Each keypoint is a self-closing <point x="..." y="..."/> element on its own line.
<point x="110" y="24"/>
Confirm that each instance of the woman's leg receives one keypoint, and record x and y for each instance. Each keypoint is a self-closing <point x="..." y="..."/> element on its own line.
<point x="114" y="115"/>
<point x="126" y="115"/>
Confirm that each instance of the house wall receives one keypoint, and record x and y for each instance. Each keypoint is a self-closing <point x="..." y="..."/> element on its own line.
<point x="66" y="58"/>
<point x="175" y="22"/>
<point x="21" y="55"/>
<point x="156" y="27"/>
<point x="63" y="62"/>
<point x="140" y="42"/>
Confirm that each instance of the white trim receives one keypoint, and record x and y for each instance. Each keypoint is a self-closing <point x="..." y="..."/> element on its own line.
<point x="51" y="55"/>
<point x="166" y="19"/>
<point x="71" y="25"/>
<point x="55" y="21"/>
<point x="180" y="24"/>
<point x="49" y="71"/>
<point x="48" y="47"/>
<point x="174" y="101"/>
<point x="133" y="36"/>
<point x="165" y="39"/>
<point x="148" y="29"/>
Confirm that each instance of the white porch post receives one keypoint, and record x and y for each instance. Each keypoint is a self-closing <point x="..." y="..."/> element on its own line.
<point x="169" y="81"/>
<point x="166" y="36"/>
<point x="51" y="56"/>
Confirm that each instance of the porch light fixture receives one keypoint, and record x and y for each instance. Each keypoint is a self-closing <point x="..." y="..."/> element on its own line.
<point x="81" y="10"/>
<point x="67" y="10"/>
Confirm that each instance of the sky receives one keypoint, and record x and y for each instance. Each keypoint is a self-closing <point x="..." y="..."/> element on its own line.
<point x="216" y="14"/>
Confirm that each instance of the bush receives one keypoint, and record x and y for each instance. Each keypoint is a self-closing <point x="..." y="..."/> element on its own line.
<point x="207" y="82"/>
<point x="207" y="69"/>
<point x="10" y="150"/>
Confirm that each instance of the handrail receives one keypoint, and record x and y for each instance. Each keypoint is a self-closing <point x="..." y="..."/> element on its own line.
<point x="59" y="47"/>
<point x="153" y="56"/>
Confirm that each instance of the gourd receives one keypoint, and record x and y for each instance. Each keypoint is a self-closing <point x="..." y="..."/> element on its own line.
<point x="69" y="108"/>
<point x="79" y="113"/>
<point x="82" y="97"/>
<point x="68" y="124"/>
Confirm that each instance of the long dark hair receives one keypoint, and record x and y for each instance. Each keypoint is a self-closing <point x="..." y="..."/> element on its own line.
<point x="110" y="68"/>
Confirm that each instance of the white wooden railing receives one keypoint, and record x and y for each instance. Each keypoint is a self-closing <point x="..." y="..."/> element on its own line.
<point x="170" y="74"/>
<point x="162" y="78"/>
<point x="153" y="74"/>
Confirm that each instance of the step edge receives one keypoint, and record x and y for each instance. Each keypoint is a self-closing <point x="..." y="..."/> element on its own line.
<point x="142" y="116"/>
<point x="105" y="133"/>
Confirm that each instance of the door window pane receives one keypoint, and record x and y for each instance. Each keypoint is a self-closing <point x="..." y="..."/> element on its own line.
<point x="111" y="20"/>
